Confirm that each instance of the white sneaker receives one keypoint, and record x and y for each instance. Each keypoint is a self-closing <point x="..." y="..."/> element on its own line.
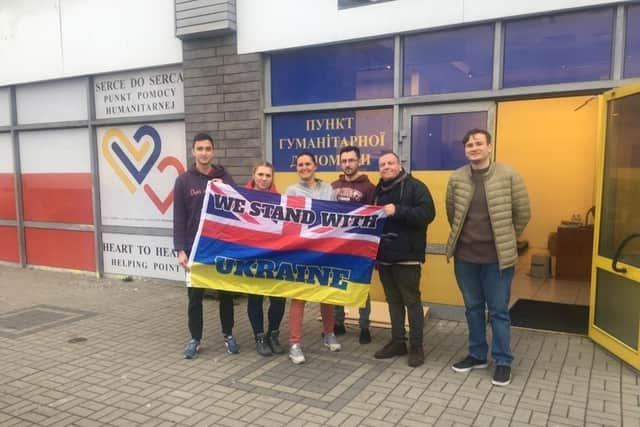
<point x="331" y="342"/>
<point x="296" y="355"/>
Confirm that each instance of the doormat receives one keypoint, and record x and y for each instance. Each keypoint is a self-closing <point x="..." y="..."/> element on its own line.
<point x="550" y="316"/>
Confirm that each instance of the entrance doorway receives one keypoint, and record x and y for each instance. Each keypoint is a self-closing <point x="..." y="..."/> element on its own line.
<point x="553" y="143"/>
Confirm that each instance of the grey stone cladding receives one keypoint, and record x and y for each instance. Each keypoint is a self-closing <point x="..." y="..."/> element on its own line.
<point x="223" y="94"/>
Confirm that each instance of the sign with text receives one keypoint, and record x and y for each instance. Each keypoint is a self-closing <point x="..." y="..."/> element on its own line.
<point x="325" y="133"/>
<point x="140" y="93"/>
<point x="144" y="256"/>
<point x="138" y="167"/>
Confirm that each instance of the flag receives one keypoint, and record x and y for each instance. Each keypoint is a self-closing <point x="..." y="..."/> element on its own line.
<point x="264" y="243"/>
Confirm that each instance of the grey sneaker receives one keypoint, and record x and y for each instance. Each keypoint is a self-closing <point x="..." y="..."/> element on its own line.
<point x="274" y="342"/>
<point x="296" y="355"/>
<point x="262" y="346"/>
<point x="331" y="342"/>
<point x="231" y="344"/>
<point x="192" y="349"/>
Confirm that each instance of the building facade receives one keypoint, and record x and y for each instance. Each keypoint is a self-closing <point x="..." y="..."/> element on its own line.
<point x="95" y="123"/>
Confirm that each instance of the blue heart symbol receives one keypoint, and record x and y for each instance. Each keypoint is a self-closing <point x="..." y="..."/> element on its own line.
<point x="140" y="174"/>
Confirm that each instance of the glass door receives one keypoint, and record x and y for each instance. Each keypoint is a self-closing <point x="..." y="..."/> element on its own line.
<point x="431" y="149"/>
<point x="435" y="133"/>
<point x="614" y="318"/>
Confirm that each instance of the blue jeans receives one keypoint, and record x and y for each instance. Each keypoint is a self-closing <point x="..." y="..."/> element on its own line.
<point x="485" y="284"/>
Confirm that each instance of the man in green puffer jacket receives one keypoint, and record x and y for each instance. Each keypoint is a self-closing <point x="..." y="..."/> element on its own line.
<point x="487" y="208"/>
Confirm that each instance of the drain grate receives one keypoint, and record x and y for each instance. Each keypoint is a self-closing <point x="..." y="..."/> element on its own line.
<point x="38" y="318"/>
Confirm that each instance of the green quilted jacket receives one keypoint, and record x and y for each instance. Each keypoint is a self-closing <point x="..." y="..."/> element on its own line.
<point x="508" y="204"/>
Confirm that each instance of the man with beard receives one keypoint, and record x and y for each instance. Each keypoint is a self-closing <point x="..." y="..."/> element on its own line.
<point x="353" y="186"/>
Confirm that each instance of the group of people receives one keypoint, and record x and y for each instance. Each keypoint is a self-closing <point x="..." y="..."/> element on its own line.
<point x="487" y="207"/>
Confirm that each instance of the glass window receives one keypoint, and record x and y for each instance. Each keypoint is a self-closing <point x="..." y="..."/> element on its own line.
<point x="632" y="45"/>
<point x="448" y="61"/>
<point x="9" y="248"/>
<point x="60" y="248"/>
<point x="5" y="107"/>
<point x="325" y="133"/>
<point x="56" y="176"/>
<point x="346" y="4"/>
<point x="616" y="311"/>
<point x="65" y="100"/>
<point x="138" y="166"/>
<point x="7" y="178"/>
<point x="345" y="72"/>
<point x="621" y="192"/>
<point x="436" y="139"/>
<point x="563" y="48"/>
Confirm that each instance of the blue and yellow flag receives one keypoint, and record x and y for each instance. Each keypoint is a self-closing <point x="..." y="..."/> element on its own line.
<point x="266" y="243"/>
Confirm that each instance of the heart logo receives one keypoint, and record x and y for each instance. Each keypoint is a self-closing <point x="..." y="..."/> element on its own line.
<point x="163" y="204"/>
<point x="113" y="142"/>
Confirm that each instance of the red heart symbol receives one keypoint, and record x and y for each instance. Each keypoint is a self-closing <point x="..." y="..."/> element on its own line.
<point x="163" y="205"/>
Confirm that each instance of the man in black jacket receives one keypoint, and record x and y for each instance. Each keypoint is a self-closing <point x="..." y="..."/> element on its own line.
<point x="188" y="192"/>
<point x="409" y="208"/>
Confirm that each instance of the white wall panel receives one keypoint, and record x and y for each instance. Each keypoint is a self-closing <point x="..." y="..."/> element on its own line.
<point x="5" y="107"/>
<point x="65" y="100"/>
<point x="30" y="45"/>
<point x="51" y="39"/>
<point x="265" y="25"/>
<point x="55" y="151"/>
<point x="482" y="10"/>
<point x="6" y="153"/>
<point x="118" y="35"/>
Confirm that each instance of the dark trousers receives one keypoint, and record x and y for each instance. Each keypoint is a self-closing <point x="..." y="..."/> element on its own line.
<point x="256" y="313"/>
<point x="195" y="312"/>
<point x="401" y="284"/>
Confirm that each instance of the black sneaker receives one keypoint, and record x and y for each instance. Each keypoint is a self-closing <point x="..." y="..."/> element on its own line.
<point x="468" y="364"/>
<point x="502" y="376"/>
<point x="339" y="329"/>
<point x="365" y="336"/>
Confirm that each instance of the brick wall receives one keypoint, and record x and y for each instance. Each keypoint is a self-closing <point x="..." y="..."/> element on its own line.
<point x="223" y="96"/>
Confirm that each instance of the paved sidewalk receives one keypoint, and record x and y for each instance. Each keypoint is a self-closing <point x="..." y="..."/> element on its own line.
<point x="79" y="351"/>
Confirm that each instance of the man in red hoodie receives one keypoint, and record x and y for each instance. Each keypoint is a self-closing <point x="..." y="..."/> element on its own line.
<point x="353" y="186"/>
<point x="189" y="191"/>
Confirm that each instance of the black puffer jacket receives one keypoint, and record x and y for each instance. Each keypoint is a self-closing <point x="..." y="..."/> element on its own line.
<point x="405" y="233"/>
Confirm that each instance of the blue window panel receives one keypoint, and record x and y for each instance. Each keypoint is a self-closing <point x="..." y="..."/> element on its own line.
<point x="324" y="133"/>
<point x="436" y="139"/>
<point x="632" y="44"/>
<point x="570" y="47"/>
<point x="345" y="72"/>
<point x="448" y="61"/>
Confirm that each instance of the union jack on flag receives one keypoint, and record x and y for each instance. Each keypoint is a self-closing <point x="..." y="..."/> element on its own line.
<point x="270" y="244"/>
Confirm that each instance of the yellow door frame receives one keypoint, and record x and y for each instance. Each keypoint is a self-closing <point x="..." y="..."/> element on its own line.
<point x="598" y="335"/>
